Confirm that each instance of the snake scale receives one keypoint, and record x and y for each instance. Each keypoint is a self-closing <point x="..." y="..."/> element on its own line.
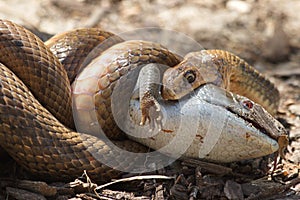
<point x="36" y="123"/>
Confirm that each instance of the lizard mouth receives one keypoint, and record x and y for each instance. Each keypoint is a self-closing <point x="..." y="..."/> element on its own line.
<point x="255" y="124"/>
<point x="282" y="139"/>
<point x="264" y="122"/>
<point x="260" y="128"/>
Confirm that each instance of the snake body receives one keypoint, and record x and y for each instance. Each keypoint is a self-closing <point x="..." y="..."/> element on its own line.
<point x="65" y="46"/>
<point x="35" y="101"/>
<point x="48" y="72"/>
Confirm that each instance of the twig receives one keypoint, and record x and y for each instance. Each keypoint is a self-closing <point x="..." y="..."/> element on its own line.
<point x="133" y="179"/>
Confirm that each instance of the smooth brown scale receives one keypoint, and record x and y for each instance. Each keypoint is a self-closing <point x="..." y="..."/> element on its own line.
<point x="247" y="81"/>
<point x="76" y="48"/>
<point x="37" y="70"/>
<point x="46" y="148"/>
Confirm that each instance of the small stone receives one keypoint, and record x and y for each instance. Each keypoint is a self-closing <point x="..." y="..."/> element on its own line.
<point x="295" y="109"/>
<point x="233" y="190"/>
<point x="238" y="6"/>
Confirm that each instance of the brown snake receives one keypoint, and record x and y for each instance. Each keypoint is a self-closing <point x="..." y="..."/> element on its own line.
<point x="47" y="145"/>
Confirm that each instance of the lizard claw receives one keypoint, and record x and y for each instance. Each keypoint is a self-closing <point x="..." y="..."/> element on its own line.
<point x="151" y="111"/>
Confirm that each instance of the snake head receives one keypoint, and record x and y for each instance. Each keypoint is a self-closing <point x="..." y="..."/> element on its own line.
<point x="196" y="69"/>
<point x="180" y="81"/>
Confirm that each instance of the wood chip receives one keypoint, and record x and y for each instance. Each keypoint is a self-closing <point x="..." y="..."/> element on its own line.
<point x="38" y="187"/>
<point x="20" y="194"/>
<point x="209" y="167"/>
<point x="233" y="190"/>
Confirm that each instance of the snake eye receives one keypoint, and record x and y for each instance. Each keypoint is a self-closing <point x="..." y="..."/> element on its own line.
<point x="247" y="104"/>
<point x="190" y="76"/>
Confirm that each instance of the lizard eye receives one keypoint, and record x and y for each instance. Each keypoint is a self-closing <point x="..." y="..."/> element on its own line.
<point x="247" y="104"/>
<point x="190" y="76"/>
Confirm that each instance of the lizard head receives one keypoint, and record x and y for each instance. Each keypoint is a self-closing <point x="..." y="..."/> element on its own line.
<point x="250" y="114"/>
<point x="262" y="120"/>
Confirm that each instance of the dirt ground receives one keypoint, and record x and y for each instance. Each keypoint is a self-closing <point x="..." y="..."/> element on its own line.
<point x="263" y="32"/>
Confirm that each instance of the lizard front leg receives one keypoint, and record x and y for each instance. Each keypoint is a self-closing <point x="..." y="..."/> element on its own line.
<point x="149" y="83"/>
